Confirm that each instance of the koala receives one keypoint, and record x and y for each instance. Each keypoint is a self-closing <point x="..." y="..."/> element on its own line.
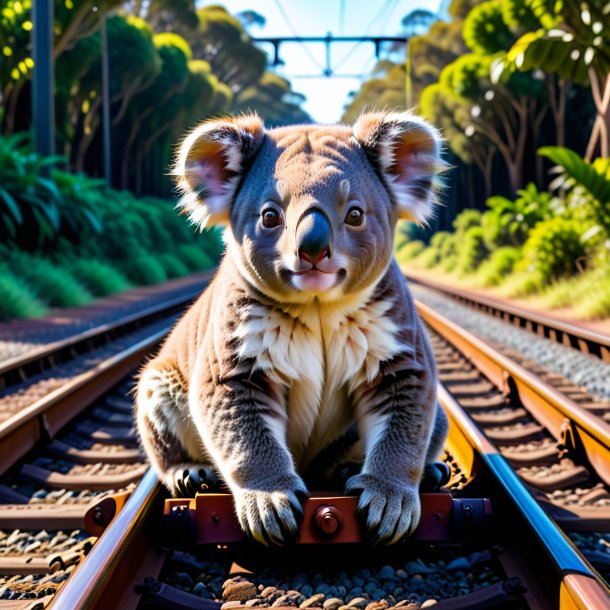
<point x="307" y="332"/>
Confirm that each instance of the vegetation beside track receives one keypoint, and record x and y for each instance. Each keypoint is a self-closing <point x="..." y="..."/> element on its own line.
<point x="66" y="238"/>
<point x="553" y="245"/>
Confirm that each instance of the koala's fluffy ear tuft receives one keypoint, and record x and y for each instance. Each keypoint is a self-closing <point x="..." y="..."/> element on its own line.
<point x="210" y="164"/>
<point x="406" y="151"/>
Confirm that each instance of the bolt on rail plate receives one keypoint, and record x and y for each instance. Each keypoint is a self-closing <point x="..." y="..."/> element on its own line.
<point x="210" y="519"/>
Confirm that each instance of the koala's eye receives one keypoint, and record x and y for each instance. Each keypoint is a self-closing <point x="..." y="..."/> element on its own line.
<point x="271" y="218"/>
<point x="355" y="217"/>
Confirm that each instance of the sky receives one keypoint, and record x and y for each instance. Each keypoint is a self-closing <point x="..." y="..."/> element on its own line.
<point x="327" y="97"/>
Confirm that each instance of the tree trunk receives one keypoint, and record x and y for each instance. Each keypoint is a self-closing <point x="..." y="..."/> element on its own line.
<point x="601" y="126"/>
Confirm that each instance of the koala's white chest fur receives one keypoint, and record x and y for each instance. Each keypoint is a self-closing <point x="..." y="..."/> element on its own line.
<point x="317" y="354"/>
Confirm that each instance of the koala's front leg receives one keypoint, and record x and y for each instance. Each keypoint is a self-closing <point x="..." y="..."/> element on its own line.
<point x="395" y="418"/>
<point x="242" y="423"/>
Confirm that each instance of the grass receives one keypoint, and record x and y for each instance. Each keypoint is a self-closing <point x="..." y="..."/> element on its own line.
<point x="497" y="267"/>
<point x="173" y="266"/>
<point x="51" y="284"/>
<point x="17" y="300"/>
<point x="98" y="277"/>
<point x="410" y="251"/>
<point x="144" y="270"/>
<point x="194" y="258"/>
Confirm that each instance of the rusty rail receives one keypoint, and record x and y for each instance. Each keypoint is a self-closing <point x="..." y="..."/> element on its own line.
<point x="47" y="356"/>
<point x="122" y="556"/>
<point x="47" y="416"/>
<point x="577" y="585"/>
<point x="568" y="334"/>
<point x="566" y="420"/>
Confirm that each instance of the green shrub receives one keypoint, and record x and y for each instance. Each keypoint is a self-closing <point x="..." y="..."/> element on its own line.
<point x="193" y="257"/>
<point x="508" y="223"/>
<point x="173" y="266"/>
<point x="16" y="299"/>
<point x="51" y="284"/>
<point x="427" y="259"/>
<point x="448" y="253"/>
<point x="553" y="249"/>
<point x="522" y="284"/>
<point x="466" y="219"/>
<point x="144" y="269"/>
<point x="409" y="251"/>
<point x="495" y="269"/>
<point x="471" y="251"/>
<point x="595" y="301"/>
<point x="99" y="277"/>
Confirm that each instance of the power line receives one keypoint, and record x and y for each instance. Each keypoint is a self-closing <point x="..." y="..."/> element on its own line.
<point x="384" y="9"/>
<point x="296" y="35"/>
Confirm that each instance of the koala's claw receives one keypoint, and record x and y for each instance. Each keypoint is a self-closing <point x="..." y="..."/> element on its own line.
<point x="391" y="511"/>
<point x="271" y="515"/>
<point x="189" y="480"/>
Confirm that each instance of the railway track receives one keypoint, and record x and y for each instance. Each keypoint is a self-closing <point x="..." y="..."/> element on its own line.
<point x="521" y="559"/>
<point x="82" y="520"/>
<point x="570" y="335"/>
<point x="560" y="448"/>
<point x="69" y="455"/>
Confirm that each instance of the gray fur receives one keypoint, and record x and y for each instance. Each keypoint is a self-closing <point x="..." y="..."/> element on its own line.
<point x="267" y="370"/>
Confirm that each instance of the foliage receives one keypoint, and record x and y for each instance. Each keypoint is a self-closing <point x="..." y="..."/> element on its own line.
<point x="410" y="251"/>
<point x="17" y="300"/>
<point x="100" y="278"/>
<point x="498" y="266"/>
<point x="594" y="177"/>
<point x="143" y="269"/>
<point x="472" y="252"/>
<point x="51" y="284"/>
<point x="173" y="266"/>
<point x="466" y="219"/>
<point x="553" y="249"/>
<point x="33" y="207"/>
<point x="194" y="258"/>
<point x="508" y="222"/>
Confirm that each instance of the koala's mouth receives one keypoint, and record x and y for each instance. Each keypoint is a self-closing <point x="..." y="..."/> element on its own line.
<point x="317" y="279"/>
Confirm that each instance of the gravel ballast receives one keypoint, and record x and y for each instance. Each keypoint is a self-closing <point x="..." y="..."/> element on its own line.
<point x="581" y="369"/>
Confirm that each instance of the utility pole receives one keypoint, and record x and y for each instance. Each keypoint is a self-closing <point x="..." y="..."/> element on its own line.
<point x="107" y="143"/>
<point x="43" y="94"/>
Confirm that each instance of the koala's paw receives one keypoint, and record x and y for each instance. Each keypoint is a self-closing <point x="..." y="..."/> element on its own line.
<point x="391" y="511"/>
<point x="272" y="513"/>
<point x="189" y="479"/>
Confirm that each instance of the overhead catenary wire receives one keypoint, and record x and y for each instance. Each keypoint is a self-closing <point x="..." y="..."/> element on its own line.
<point x="387" y="9"/>
<point x="296" y="35"/>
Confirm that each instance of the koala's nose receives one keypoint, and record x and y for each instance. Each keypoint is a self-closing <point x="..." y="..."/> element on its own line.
<point x="314" y="237"/>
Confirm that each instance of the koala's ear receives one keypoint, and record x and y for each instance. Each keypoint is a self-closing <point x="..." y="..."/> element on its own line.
<point x="210" y="164"/>
<point x="406" y="151"/>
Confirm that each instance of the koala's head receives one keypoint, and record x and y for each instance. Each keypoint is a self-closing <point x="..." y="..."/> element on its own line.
<point x="312" y="210"/>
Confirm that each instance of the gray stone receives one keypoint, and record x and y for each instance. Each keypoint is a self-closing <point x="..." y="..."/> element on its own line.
<point x="332" y="603"/>
<point x="315" y="601"/>
<point x="461" y="563"/>
<point x="268" y="592"/>
<point x="358" y="602"/>
<point x="380" y="605"/>
<point x="429" y="603"/>
<point x="241" y="590"/>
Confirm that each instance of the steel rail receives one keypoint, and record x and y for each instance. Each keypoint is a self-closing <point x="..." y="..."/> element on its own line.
<point x="579" y="586"/>
<point x="122" y="555"/>
<point x="565" y="419"/>
<point x="66" y="347"/>
<point x="45" y="417"/>
<point x="125" y="553"/>
<point x="568" y="334"/>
